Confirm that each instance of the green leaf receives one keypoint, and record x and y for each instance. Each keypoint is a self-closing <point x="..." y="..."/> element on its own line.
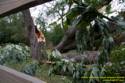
<point x="74" y="12"/>
<point x="64" y="68"/>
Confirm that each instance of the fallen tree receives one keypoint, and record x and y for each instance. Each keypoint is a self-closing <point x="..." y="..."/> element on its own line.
<point x="68" y="41"/>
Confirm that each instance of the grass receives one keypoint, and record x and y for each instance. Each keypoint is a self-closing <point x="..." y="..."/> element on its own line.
<point x="41" y="72"/>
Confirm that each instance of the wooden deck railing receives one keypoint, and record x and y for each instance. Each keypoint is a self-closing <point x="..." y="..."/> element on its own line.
<point x="8" y="7"/>
<point x="8" y="75"/>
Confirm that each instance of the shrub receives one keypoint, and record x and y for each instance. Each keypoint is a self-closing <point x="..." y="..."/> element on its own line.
<point x="118" y="54"/>
<point x="30" y="68"/>
<point x="13" y="53"/>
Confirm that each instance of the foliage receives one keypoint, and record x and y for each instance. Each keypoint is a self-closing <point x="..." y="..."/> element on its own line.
<point x="55" y="29"/>
<point x="53" y="32"/>
<point x="27" y="65"/>
<point x="82" y="73"/>
<point x="118" y="54"/>
<point x="13" y="53"/>
<point x="93" y="34"/>
<point x="54" y="56"/>
<point x="30" y="68"/>
<point x="92" y="26"/>
<point x="42" y="73"/>
<point x="56" y="33"/>
<point x="12" y="29"/>
<point x="59" y="10"/>
<point x="117" y="58"/>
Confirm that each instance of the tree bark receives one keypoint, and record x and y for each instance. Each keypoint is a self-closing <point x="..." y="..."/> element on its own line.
<point x="34" y="44"/>
<point x="68" y="41"/>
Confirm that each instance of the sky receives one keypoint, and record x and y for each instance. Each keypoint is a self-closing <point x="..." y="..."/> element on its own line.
<point x="35" y="11"/>
<point x="118" y="5"/>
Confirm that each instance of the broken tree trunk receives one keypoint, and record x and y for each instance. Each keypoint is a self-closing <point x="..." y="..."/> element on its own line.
<point x="68" y="41"/>
<point x="36" y="47"/>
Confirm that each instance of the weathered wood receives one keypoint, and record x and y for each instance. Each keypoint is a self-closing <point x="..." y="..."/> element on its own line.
<point x="8" y="75"/>
<point x="11" y="6"/>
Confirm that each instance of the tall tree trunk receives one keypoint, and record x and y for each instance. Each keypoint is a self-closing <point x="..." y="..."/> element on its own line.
<point x="34" y="44"/>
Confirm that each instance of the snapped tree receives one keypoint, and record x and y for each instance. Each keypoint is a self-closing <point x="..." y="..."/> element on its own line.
<point x="37" y="48"/>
